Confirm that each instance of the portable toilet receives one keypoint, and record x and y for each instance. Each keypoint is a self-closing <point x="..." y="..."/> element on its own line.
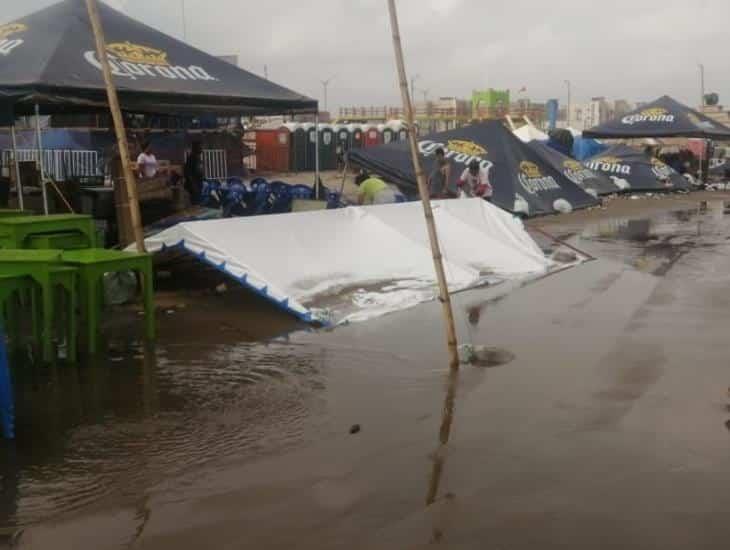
<point x="387" y="132"/>
<point x="400" y="133"/>
<point x="298" y="147"/>
<point x="356" y="136"/>
<point x="327" y="148"/>
<point x="273" y="150"/>
<point x="372" y="136"/>
<point x="342" y="137"/>
<point x="310" y="132"/>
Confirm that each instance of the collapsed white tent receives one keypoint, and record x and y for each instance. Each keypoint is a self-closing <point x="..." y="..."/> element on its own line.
<point x="293" y="258"/>
<point x="528" y="133"/>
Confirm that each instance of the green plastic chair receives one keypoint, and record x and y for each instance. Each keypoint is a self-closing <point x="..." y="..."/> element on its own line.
<point x="92" y="265"/>
<point x="44" y="267"/>
<point x="13" y="289"/>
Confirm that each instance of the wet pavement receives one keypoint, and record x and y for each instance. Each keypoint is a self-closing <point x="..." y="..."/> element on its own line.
<point x="606" y="430"/>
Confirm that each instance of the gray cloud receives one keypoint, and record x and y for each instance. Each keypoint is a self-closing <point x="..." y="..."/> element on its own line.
<point x="629" y="49"/>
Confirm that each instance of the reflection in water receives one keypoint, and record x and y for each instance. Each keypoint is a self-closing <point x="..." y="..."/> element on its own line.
<point x="439" y="456"/>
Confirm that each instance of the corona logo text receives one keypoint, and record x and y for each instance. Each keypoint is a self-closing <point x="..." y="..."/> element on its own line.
<point x="576" y="172"/>
<point x="609" y="165"/>
<point x="532" y="179"/>
<point x="461" y="152"/>
<point x="657" y="114"/>
<point x="134" y="61"/>
<point x="9" y="40"/>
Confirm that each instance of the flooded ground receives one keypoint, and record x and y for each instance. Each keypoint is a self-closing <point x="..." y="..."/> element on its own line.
<point x="606" y="429"/>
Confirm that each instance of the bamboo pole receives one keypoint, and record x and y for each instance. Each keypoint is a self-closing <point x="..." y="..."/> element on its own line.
<point x="444" y="297"/>
<point x="119" y="128"/>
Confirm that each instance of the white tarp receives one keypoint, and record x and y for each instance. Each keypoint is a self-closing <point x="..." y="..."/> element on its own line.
<point x="528" y="133"/>
<point x="293" y="259"/>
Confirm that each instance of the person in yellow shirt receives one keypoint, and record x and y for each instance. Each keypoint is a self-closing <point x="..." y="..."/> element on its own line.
<point x="373" y="190"/>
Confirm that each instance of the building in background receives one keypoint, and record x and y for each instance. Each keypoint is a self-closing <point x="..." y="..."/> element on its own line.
<point x="621" y="107"/>
<point x="715" y="111"/>
<point x="552" y="113"/>
<point x="525" y="108"/>
<point x="490" y="103"/>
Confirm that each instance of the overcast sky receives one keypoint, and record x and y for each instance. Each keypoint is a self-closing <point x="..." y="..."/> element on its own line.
<point x="629" y="49"/>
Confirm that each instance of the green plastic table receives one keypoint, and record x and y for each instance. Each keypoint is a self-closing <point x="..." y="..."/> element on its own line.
<point x="47" y="271"/>
<point x="13" y="213"/>
<point x="14" y="231"/>
<point x="93" y="264"/>
<point x="57" y="241"/>
<point x="12" y="289"/>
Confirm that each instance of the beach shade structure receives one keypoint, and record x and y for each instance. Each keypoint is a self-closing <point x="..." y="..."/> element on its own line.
<point x="374" y="244"/>
<point x="49" y="58"/>
<point x="356" y="136"/>
<point x="523" y="183"/>
<point x="632" y="170"/>
<point x="664" y="117"/>
<point x="372" y="136"/>
<point x="528" y="133"/>
<point x="298" y="148"/>
<point x="593" y="183"/>
<point x="327" y="148"/>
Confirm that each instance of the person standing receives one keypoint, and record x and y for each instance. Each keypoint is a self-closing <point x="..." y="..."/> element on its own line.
<point x="147" y="162"/>
<point x="474" y="182"/>
<point x="438" y="180"/>
<point x="194" y="173"/>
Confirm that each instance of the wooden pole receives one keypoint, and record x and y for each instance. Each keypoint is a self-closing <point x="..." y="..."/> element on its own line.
<point x="119" y="128"/>
<point x="423" y="191"/>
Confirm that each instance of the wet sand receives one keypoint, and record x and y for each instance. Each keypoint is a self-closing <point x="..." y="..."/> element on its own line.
<point x="607" y="430"/>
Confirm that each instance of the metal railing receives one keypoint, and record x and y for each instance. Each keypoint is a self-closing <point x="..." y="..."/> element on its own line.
<point x="215" y="163"/>
<point x="60" y="164"/>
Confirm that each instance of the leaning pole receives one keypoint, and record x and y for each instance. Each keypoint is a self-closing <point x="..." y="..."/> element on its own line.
<point x="120" y="130"/>
<point x="444" y="297"/>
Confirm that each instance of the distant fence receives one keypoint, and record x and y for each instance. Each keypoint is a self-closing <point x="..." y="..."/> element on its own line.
<point x="215" y="163"/>
<point x="60" y="164"/>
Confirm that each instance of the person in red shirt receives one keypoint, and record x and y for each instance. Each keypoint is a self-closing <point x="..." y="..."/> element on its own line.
<point x="474" y="181"/>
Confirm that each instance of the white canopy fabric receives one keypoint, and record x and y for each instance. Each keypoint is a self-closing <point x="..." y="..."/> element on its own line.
<point x="528" y="133"/>
<point x="293" y="258"/>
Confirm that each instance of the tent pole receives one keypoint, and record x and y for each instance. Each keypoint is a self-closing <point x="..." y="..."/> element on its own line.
<point x="316" y="155"/>
<point x="39" y="140"/>
<point x="444" y="297"/>
<point x="18" y="183"/>
<point x="119" y="128"/>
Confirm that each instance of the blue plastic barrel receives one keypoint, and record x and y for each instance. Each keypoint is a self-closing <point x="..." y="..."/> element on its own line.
<point x="7" y="402"/>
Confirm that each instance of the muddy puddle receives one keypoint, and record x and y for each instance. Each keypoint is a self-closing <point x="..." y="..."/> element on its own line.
<point x="110" y="429"/>
<point x="613" y="383"/>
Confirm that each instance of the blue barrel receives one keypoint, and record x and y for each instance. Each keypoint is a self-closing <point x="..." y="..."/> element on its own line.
<point x="7" y="400"/>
